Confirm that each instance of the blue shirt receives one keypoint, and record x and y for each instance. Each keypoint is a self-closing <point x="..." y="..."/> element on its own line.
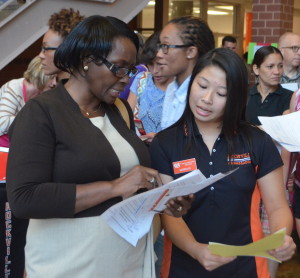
<point x="174" y="103"/>
<point x="150" y="103"/>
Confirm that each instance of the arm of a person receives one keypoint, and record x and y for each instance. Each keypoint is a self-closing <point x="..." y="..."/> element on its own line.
<point x="30" y="187"/>
<point x="288" y="161"/>
<point x="279" y="213"/>
<point x="180" y="234"/>
<point x="285" y="156"/>
<point x="293" y="102"/>
<point x="285" y="112"/>
<point x="92" y="194"/>
<point x="8" y="108"/>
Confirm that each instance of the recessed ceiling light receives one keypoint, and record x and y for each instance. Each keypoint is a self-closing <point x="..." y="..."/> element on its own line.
<point x="230" y="8"/>
<point x="151" y="3"/>
<point x="216" y="13"/>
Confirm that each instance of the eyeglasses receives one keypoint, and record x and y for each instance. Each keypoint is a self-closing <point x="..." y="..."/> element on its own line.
<point x="294" y="48"/>
<point x="165" y="47"/>
<point x="118" y="71"/>
<point x="44" y="49"/>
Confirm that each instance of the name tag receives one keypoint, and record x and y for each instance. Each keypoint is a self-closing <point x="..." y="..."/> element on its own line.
<point x="184" y="166"/>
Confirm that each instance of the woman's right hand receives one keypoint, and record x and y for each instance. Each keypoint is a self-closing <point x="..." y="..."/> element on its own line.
<point x="137" y="178"/>
<point x="208" y="260"/>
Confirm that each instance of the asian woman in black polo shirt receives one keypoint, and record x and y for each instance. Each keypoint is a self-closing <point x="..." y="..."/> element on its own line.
<point x="212" y="132"/>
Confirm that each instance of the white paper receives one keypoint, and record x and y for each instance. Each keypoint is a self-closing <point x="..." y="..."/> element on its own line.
<point x="284" y="129"/>
<point x="132" y="218"/>
<point x="290" y="86"/>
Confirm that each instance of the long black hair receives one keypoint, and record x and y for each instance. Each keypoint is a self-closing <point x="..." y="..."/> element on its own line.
<point x="237" y="91"/>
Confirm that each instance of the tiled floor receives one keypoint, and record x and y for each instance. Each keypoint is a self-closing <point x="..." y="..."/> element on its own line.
<point x="290" y="269"/>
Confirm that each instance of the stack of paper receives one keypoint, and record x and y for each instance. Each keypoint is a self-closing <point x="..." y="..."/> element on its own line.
<point x="132" y="218"/>
<point x="284" y="129"/>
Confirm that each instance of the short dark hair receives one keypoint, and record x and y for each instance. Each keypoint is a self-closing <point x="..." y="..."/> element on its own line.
<point x="262" y="53"/>
<point x="150" y="49"/>
<point x="91" y="38"/>
<point x="228" y="39"/>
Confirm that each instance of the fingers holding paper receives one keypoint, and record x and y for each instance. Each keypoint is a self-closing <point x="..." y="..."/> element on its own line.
<point x="286" y="251"/>
<point x="137" y="178"/>
<point x="179" y="206"/>
<point x="208" y="260"/>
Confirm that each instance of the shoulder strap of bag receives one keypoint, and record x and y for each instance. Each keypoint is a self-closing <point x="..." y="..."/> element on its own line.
<point x="123" y="110"/>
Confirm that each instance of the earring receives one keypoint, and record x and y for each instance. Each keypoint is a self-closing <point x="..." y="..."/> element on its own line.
<point x="85" y="68"/>
<point x="189" y="57"/>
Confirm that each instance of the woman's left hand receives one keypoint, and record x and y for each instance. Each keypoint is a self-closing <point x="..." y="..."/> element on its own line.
<point x="179" y="206"/>
<point x="147" y="138"/>
<point x="286" y="251"/>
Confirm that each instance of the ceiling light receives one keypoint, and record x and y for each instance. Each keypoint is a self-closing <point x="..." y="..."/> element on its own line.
<point x="216" y="13"/>
<point x="151" y="3"/>
<point x="230" y="8"/>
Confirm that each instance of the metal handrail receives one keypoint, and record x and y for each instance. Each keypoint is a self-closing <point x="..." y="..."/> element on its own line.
<point x="18" y="6"/>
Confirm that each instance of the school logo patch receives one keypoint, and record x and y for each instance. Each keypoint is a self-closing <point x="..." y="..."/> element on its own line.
<point x="239" y="159"/>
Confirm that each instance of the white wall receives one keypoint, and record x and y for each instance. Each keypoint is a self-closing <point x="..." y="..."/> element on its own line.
<point x="25" y="28"/>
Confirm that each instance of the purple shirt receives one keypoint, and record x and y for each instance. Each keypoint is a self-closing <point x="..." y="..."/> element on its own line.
<point x="126" y="91"/>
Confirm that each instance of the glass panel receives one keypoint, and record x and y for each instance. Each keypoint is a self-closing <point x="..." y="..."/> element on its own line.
<point x="179" y="8"/>
<point x="220" y="19"/>
<point x="7" y="7"/>
<point x="10" y="7"/>
<point x="148" y="19"/>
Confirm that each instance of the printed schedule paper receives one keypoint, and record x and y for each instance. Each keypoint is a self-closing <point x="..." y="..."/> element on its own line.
<point x="283" y="129"/>
<point x="132" y="218"/>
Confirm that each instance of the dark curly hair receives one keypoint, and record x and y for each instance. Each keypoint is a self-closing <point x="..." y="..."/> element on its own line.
<point x="64" y="21"/>
<point x="196" y="32"/>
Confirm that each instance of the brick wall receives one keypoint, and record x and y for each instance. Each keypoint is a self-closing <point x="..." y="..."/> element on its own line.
<point x="271" y="18"/>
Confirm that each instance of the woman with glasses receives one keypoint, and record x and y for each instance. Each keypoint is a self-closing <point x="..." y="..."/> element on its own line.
<point x="182" y="41"/>
<point x="60" y="25"/>
<point x="147" y="91"/>
<point x="72" y="157"/>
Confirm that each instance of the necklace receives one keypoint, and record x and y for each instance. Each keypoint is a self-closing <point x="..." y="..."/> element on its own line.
<point x="87" y="113"/>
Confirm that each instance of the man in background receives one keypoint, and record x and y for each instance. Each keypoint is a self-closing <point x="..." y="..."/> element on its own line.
<point x="289" y="45"/>
<point x="229" y="42"/>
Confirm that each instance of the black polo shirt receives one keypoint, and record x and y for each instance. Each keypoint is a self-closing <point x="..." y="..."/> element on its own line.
<point x="274" y="104"/>
<point x="226" y="211"/>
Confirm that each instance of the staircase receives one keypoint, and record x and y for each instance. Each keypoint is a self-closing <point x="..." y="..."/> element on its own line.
<point x="22" y="22"/>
